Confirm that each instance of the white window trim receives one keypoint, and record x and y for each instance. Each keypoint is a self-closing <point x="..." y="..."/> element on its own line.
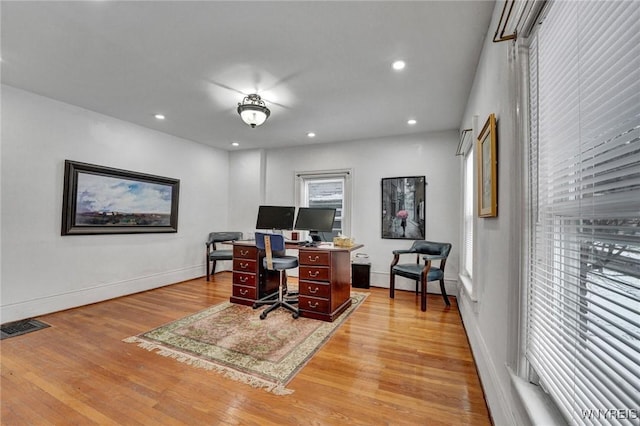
<point x="467" y="148"/>
<point x="347" y="174"/>
<point x="540" y="409"/>
<point x="538" y="404"/>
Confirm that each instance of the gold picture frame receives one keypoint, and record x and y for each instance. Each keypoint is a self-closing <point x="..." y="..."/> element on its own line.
<point x="487" y="169"/>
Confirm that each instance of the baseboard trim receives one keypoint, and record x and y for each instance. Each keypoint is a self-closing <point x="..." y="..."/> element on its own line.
<point x="94" y="294"/>
<point x="495" y="394"/>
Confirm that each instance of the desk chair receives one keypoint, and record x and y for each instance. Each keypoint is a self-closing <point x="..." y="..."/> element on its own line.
<point x="276" y="260"/>
<point x="212" y="255"/>
<point x="421" y="273"/>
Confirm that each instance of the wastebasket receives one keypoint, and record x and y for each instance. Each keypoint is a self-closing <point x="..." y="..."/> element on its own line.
<point x="360" y="271"/>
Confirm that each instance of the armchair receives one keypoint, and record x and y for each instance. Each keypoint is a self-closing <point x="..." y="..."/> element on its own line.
<point x="421" y="273"/>
<point x="212" y="254"/>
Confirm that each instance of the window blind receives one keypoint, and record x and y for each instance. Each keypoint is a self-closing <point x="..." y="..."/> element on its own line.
<point x="583" y="325"/>
<point x="468" y="213"/>
<point x="330" y="188"/>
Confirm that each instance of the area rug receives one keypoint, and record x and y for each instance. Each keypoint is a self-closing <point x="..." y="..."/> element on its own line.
<point x="232" y="340"/>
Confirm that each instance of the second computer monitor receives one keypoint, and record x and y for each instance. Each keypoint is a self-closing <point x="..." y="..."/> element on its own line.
<point x="315" y="219"/>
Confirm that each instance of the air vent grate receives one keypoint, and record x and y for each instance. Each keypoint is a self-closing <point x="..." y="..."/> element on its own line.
<point x="17" y="328"/>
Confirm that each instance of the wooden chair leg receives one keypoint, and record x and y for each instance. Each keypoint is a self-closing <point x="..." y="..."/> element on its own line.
<point x="208" y="267"/>
<point x="444" y="293"/>
<point x="423" y="295"/>
<point x="392" y="285"/>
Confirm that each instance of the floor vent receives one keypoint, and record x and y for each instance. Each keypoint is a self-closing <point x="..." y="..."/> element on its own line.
<point x="17" y="328"/>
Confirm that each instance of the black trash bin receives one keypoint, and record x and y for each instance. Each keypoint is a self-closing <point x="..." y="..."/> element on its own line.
<point x="360" y="271"/>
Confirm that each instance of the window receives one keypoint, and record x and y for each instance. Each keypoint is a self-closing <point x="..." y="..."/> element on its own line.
<point x="327" y="189"/>
<point x="583" y="272"/>
<point x="467" y="253"/>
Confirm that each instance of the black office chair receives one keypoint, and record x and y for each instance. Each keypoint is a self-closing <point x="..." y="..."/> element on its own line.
<point x="276" y="260"/>
<point x="212" y="254"/>
<point x="422" y="274"/>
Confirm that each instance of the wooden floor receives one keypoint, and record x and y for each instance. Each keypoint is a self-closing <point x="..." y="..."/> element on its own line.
<point x="389" y="364"/>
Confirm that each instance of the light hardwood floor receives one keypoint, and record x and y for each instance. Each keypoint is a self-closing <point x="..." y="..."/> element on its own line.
<point x="389" y="364"/>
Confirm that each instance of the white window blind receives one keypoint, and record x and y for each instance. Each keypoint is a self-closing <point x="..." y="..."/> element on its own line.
<point x="467" y="254"/>
<point x="327" y="189"/>
<point x="583" y="326"/>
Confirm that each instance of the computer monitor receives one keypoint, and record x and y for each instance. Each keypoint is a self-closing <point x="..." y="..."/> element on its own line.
<point x="275" y="217"/>
<point x="315" y="219"/>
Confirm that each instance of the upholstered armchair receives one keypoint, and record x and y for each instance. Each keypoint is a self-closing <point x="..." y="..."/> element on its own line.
<point x="213" y="254"/>
<point x="421" y="272"/>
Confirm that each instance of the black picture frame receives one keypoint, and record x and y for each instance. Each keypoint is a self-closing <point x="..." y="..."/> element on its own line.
<point x="403" y="207"/>
<point x="105" y="200"/>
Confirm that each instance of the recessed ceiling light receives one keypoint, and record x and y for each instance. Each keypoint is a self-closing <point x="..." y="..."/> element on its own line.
<point x="411" y="122"/>
<point x="398" y="65"/>
<point x="159" y="117"/>
<point x="235" y="144"/>
<point x="311" y="135"/>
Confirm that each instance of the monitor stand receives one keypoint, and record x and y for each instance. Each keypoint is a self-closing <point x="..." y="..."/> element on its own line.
<point x="315" y="237"/>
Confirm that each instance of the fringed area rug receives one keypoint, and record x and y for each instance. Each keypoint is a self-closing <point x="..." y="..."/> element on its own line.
<point x="232" y="340"/>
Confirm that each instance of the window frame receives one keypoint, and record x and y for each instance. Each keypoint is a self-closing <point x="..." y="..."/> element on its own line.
<point x="468" y="211"/>
<point x="565" y="266"/>
<point x="468" y="189"/>
<point x="301" y="182"/>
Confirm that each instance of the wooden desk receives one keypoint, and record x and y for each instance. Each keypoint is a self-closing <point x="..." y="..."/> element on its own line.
<point x="324" y="278"/>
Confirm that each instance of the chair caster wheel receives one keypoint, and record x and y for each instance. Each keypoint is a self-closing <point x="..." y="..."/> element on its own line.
<point x="262" y="316"/>
<point x="256" y="306"/>
<point x="295" y="315"/>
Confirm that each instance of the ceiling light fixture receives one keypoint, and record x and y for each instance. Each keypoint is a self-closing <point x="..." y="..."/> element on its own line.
<point x="253" y="110"/>
<point x="411" y="122"/>
<point x="311" y="135"/>
<point x="159" y="117"/>
<point x="398" y="65"/>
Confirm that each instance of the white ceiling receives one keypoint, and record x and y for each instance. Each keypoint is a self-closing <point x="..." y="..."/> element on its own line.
<point x="322" y="66"/>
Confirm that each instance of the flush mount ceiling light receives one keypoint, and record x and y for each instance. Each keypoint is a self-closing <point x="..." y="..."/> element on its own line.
<point x="398" y="65"/>
<point x="253" y="111"/>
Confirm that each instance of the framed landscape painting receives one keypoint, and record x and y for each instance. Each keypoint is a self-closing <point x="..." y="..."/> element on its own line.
<point x="403" y="207"/>
<point x="104" y="200"/>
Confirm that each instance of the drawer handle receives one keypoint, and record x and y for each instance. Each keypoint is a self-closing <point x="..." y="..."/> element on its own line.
<point x="244" y="253"/>
<point x="314" y="259"/>
<point x="244" y="265"/>
<point x="314" y="291"/>
<point x="314" y="305"/>
<point x="315" y="274"/>
<point x="243" y="292"/>
<point x="244" y="279"/>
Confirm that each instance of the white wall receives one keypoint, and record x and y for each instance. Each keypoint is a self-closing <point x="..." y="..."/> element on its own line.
<point x="246" y="189"/>
<point x="43" y="271"/>
<point x="431" y="155"/>
<point x="492" y="320"/>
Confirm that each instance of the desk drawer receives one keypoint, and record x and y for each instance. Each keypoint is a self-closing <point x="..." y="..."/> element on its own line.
<point x="314" y="273"/>
<point x="315" y="289"/>
<point x="244" y="279"/>
<point x="244" y="265"/>
<point x="244" y="252"/>
<point x="244" y="292"/>
<point x="313" y="304"/>
<point x="312" y="257"/>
